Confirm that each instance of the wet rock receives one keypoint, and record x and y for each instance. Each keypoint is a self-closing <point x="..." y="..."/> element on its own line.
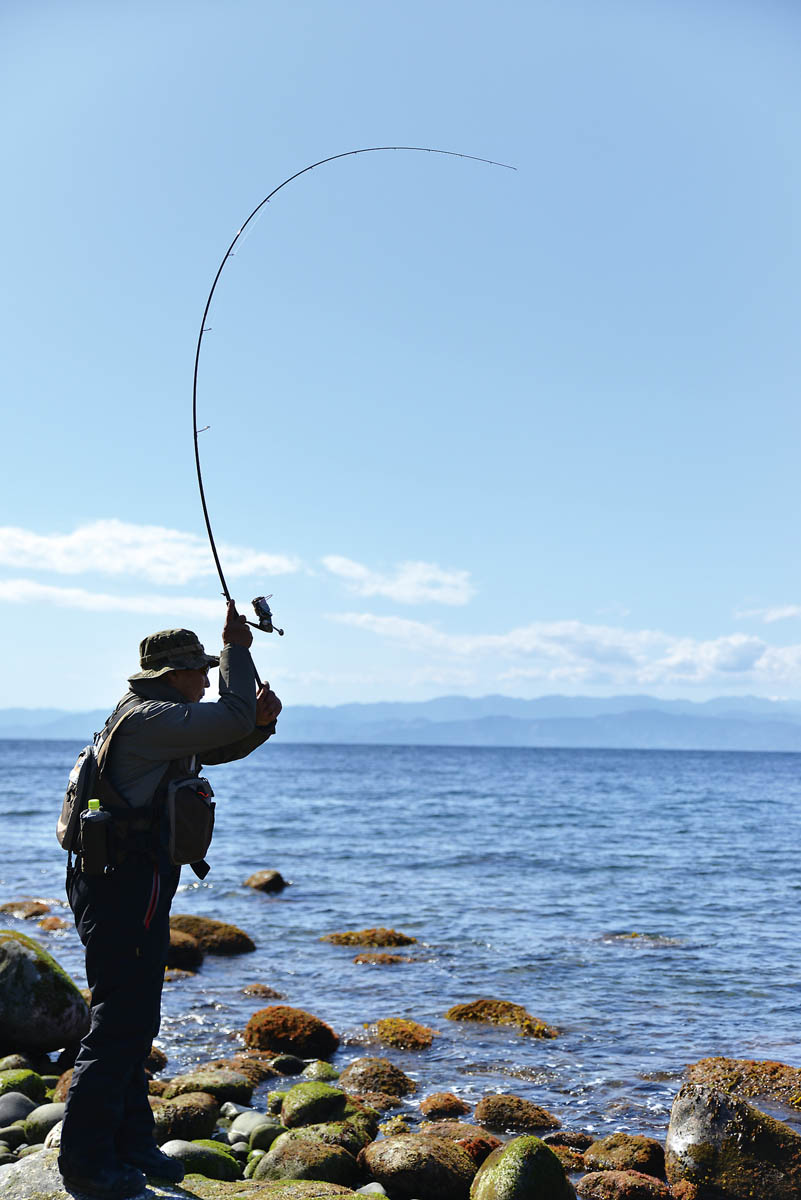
<point x="288" y="1064"/>
<point x="262" y="990"/>
<point x="369" y="937"/>
<point x="156" y="1060"/>
<point x="312" y="1103"/>
<point x="501" y="1012"/>
<point x="27" y="1082"/>
<point x="191" y="1115"/>
<point x="523" y="1169"/>
<point x="63" y="1086"/>
<point x="245" y="1122"/>
<point x="221" y="1084"/>
<point x="722" y="1144"/>
<point x="17" y="1062"/>
<point x="404" y="1034"/>
<point x="379" y="1101"/>
<point x="573" y="1138"/>
<point x="626" y="1152"/>
<point x="215" y="937"/>
<point x="176" y="974"/>
<point x="443" y="1104"/>
<point x="454" y="1130"/>
<point x="25" y="910"/>
<point x="266" y="881"/>
<point x="749" y="1078"/>
<point x="280" y="1027"/>
<point x="263" y="1136"/>
<point x="12" y="1136"/>
<point x="53" y="924"/>
<point x="39" y="1122"/>
<point x="185" y="952"/>
<point x="377" y="959"/>
<point x="513" y="1113"/>
<point x="394" y="1126"/>
<point x="622" y="1185"/>
<point x="303" y="1158"/>
<point x="204" y="1157"/>
<point x="15" y="1106"/>
<point x="479" y="1148"/>
<point x="376" y="1075"/>
<point x="320" y="1070"/>
<point x="416" y="1167"/>
<point x="40" y="1006"/>
<point x="254" y="1067"/>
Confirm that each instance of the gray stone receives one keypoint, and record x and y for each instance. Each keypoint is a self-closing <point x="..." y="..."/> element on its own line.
<point x="12" y="1136"/>
<point x="416" y="1165"/>
<point x="244" y="1123"/>
<point x="220" y="1083"/>
<point x="40" y="1006"/>
<point x="263" y="1136"/>
<point x="53" y="1139"/>
<point x="308" y="1160"/>
<point x="204" y="1158"/>
<point x="39" y="1123"/>
<point x="15" y="1106"/>
<point x="37" y="1177"/>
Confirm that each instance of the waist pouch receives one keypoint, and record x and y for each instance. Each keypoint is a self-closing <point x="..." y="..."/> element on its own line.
<point x="190" y="816"/>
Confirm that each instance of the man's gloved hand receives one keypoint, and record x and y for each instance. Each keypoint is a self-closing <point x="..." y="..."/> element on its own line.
<point x="268" y="706"/>
<point x="236" y="631"/>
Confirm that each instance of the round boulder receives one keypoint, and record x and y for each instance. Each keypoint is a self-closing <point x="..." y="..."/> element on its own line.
<point x="222" y="1084"/>
<point x="40" y="1006"/>
<point x="192" y="1115"/>
<point x="215" y="937"/>
<point x="523" y="1169"/>
<point x="415" y="1167"/>
<point x="39" y="1123"/>
<point x="622" y="1185"/>
<point x="626" y="1152"/>
<point x="443" y="1104"/>
<point x="205" y="1157"/>
<point x="302" y="1158"/>
<point x="376" y="1075"/>
<point x="512" y="1112"/>
<point x="280" y="1027"/>
<point x="15" y="1106"/>
<point x="27" y="1082"/>
<point x="185" y="952"/>
<point x="266" y="881"/>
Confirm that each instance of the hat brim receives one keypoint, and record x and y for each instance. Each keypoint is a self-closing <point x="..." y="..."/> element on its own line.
<point x="194" y="662"/>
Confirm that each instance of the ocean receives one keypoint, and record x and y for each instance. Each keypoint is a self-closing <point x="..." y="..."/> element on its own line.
<point x="645" y="903"/>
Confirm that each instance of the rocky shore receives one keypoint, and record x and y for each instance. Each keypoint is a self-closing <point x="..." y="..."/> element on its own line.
<point x="277" y="1119"/>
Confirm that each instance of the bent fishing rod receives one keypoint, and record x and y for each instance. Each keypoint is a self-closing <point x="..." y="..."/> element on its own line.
<point x="264" y="617"/>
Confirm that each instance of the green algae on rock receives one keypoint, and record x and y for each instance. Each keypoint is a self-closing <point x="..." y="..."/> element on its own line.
<point x="215" y="937"/>
<point x="501" y="1012"/>
<point x="204" y="1157"/>
<point x="312" y="1102"/>
<point x="724" y="1145"/>
<point x="509" y="1112"/>
<point x="27" y="1083"/>
<point x="523" y="1169"/>
<point x="304" y="1158"/>
<point x="405" y="1034"/>
<point x="750" y="1078"/>
<point x="369" y="937"/>
<point x="281" y="1027"/>
<point x="41" y="1008"/>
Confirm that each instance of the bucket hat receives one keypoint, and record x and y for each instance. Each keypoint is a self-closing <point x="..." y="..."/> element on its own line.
<point x="172" y="650"/>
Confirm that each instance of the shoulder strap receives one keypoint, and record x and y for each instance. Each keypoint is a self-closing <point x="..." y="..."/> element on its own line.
<point x="112" y="725"/>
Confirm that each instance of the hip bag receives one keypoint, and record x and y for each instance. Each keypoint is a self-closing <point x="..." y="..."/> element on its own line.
<point x="190" y="818"/>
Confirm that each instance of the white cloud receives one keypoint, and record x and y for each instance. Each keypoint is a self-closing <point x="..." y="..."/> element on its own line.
<point x="411" y="583"/>
<point x="27" y="591"/>
<point x="152" y="552"/>
<point x="571" y="652"/>
<point x="780" y="612"/>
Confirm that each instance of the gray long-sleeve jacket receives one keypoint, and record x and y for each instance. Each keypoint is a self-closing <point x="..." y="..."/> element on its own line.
<point x="167" y="728"/>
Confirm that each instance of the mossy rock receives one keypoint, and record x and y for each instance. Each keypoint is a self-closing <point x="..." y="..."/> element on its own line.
<point x="222" y="1084"/>
<point x="523" y="1169"/>
<point x="311" y="1103"/>
<point x="321" y="1071"/>
<point x="266" y="881"/>
<point x="281" y="1027"/>
<point x="40" y="1006"/>
<point x="404" y="1034"/>
<point x="443" y="1104"/>
<point x="185" y="951"/>
<point x="204" y="1157"/>
<point x="369" y="937"/>
<point x="304" y="1158"/>
<point x="189" y="1116"/>
<point x="39" y="1123"/>
<point x="750" y="1078"/>
<point x="376" y="1075"/>
<point x="215" y="937"/>
<point x="378" y="958"/>
<point x="413" y="1165"/>
<point x="626" y="1152"/>
<point x="507" y="1112"/>
<point x="622" y="1185"/>
<point x="352" y="1135"/>
<point x="502" y="1012"/>
<point x="27" y="1083"/>
<point x="25" y="910"/>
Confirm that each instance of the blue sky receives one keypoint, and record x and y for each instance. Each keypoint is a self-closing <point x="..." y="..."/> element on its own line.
<point x="478" y="431"/>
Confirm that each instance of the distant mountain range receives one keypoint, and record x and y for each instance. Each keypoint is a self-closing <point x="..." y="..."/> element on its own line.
<point x="617" y="722"/>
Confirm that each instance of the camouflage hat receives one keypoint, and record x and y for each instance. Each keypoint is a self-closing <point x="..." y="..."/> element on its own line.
<point x="172" y="650"/>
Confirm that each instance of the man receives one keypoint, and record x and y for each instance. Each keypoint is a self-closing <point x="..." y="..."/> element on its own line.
<point x="122" y="916"/>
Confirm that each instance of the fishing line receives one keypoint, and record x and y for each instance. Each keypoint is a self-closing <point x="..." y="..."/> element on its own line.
<point x="260" y="604"/>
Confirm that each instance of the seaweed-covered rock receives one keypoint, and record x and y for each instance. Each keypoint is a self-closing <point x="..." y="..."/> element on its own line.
<point x="304" y="1158"/>
<point x="320" y="1070"/>
<point x="156" y="1060"/>
<point x="191" y="1115"/>
<point x="626" y="1152"/>
<point x="369" y="937"/>
<point x="443" y="1104"/>
<point x="378" y="958"/>
<point x="352" y="1134"/>
<point x="723" y="1145"/>
<point x="622" y="1185"/>
<point x="501" y="1012"/>
<point x="25" y="910"/>
<point x="416" y="1167"/>
<point x="215" y="937"/>
<point x="479" y="1148"/>
<point x="287" y="1064"/>
<point x="266" y="881"/>
<point x="513" y="1112"/>
<point x="404" y="1034"/>
<point x="39" y="1123"/>
<point x="376" y="1075"/>
<point x="52" y="924"/>
<point x="255" y="1067"/>
<point x="750" y="1078"/>
<point x="63" y="1086"/>
<point x="280" y="1027"/>
<point x="262" y="990"/>
<point x="185" y="951"/>
<point x="455" y="1130"/>
<point x="523" y="1169"/>
<point x="222" y="1084"/>
<point x="204" y="1157"/>
<point x="29" y="1083"/>
<point x="40" y="1006"/>
<point x="311" y="1102"/>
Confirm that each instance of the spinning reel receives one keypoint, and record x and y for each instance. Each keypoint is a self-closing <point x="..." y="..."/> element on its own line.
<point x="264" y="616"/>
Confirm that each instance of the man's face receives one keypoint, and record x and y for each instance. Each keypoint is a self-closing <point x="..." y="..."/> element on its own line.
<point x="191" y="684"/>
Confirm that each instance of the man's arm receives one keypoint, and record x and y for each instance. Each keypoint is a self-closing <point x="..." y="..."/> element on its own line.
<point x="268" y="707"/>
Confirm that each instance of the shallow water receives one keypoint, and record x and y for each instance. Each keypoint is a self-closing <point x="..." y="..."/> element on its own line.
<point x="522" y="873"/>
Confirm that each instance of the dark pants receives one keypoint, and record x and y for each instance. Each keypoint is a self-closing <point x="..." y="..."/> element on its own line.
<point x="123" y="921"/>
